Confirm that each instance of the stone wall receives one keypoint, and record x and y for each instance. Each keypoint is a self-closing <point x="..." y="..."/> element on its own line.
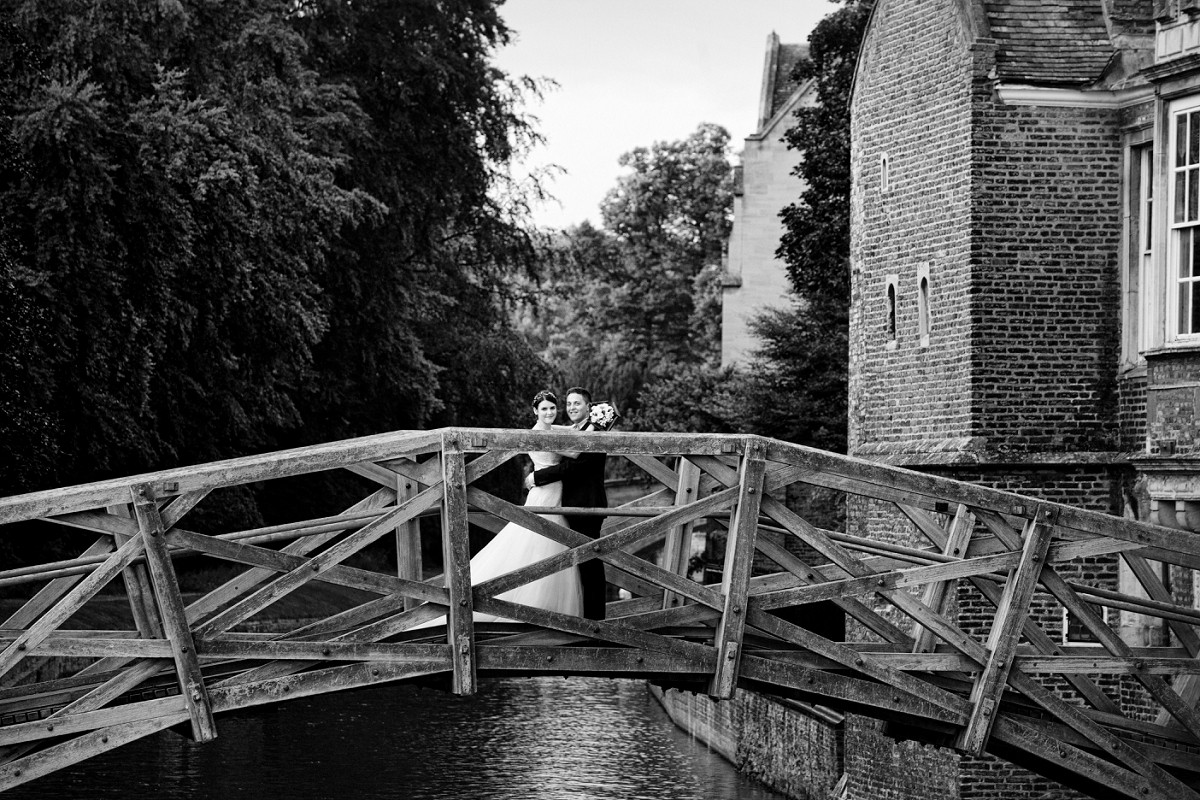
<point x="796" y="752"/>
<point x="755" y="279"/>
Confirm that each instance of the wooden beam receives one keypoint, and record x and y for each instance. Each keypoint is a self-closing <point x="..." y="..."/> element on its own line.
<point x="69" y="603"/>
<point x="53" y="591"/>
<point x="1034" y="634"/>
<point x="205" y="477"/>
<point x="1070" y="758"/>
<point x="867" y="616"/>
<point x="936" y="594"/>
<point x="1005" y="631"/>
<point x="668" y="477"/>
<point x="456" y="555"/>
<point x="81" y="748"/>
<point x="137" y="587"/>
<point x="172" y="614"/>
<point x="865" y="663"/>
<point x="735" y="582"/>
<point x="1189" y="687"/>
<point x="256" y="601"/>
<point x="677" y="544"/>
<point x="408" y="538"/>
<point x="874" y="582"/>
<point x="211" y="603"/>
<point x="610" y="544"/>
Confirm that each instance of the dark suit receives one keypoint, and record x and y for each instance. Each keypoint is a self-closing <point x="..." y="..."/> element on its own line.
<point x="583" y="487"/>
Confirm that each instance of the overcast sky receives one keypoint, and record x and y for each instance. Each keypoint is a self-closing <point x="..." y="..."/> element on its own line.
<point x="633" y="72"/>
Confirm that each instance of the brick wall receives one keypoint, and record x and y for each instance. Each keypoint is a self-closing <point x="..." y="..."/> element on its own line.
<point x="918" y="116"/>
<point x="1132" y="393"/>
<point x="793" y="752"/>
<point x="1173" y="404"/>
<point x="883" y="769"/>
<point x="1045" y="324"/>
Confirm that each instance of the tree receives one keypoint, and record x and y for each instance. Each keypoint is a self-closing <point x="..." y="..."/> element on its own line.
<point x="804" y="356"/>
<point x="634" y="301"/>
<point x="794" y="387"/>
<point x="237" y="226"/>
<point x="816" y="242"/>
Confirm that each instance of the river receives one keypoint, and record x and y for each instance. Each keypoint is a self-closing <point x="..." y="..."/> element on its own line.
<point x="527" y="739"/>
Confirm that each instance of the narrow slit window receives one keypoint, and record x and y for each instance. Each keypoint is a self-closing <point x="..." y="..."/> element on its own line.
<point x="923" y="309"/>
<point x="891" y="313"/>
<point x="884" y="175"/>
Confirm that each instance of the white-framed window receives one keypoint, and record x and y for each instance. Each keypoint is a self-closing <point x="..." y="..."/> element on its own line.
<point x="1183" y="247"/>
<point x="1138" y="263"/>
<point x="1075" y="632"/>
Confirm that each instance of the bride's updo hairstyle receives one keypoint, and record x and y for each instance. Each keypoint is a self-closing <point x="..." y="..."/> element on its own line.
<point x="543" y="395"/>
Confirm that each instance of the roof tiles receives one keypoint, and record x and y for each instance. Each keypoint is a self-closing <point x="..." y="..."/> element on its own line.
<point x="1059" y="42"/>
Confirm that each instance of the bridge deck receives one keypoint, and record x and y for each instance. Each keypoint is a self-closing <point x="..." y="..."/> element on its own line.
<point x="1106" y="718"/>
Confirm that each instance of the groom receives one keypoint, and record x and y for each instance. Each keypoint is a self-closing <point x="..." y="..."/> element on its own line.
<point x="583" y="486"/>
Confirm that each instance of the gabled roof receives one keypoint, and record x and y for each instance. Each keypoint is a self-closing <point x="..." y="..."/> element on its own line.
<point x="778" y="85"/>
<point x="1061" y="42"/>
<point x="789" y="56"/>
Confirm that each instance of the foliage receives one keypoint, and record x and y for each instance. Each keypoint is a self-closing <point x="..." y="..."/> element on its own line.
<point x="794" y="387"/>
<point x="804" y="357"/>
<point x="236" y="226"/>
<point x="639" y="299"/>
<point x="816" y="242"/>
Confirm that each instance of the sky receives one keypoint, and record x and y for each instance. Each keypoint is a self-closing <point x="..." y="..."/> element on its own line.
<point x="634" y="72"/>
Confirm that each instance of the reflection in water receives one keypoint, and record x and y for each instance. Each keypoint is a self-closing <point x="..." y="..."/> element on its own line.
<point x="536" y="739"/>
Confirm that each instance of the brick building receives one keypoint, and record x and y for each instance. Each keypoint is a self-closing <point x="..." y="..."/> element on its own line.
<point x="763" y="186"/>
<point x="1025" y="310"/>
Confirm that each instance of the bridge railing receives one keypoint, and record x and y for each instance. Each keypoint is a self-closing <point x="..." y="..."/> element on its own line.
<point x="1009" y="687"/>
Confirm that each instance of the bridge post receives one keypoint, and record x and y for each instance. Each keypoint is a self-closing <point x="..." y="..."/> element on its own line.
<point x="408" y="539"/>
<point x="137" y="586"/>
<point x="735" y="582"/>
<point x="456" y="558"/>
<point x="172" y="613"/>
<point x="677" y="544"/>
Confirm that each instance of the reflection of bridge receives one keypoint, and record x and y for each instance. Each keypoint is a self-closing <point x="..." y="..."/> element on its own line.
<point x="1105" y="718"/>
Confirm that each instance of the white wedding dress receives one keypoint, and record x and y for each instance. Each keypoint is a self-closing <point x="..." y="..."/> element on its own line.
<point x="515" y="547"/>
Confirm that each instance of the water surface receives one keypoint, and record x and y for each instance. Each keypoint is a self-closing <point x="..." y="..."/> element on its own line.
<point x="528" y="739"/>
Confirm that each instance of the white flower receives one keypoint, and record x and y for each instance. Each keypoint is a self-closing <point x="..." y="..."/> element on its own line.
<point x="603" y="415"/>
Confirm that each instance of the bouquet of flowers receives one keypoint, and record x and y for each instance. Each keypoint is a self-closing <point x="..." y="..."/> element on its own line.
<point x="604" y="415"/>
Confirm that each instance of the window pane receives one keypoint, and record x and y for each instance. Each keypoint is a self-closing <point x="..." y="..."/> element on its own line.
<point x="1194" y="137"/>
<point x="1180" y="195"/>
<point x="1193" y="185"/>
<point x="1188" y="308"/>
<point x="1147" y="231"/>
<point x="1195" y="259"/>
<point x="1185" y="253"/>
<point x="1194" y="291"/>
<point x="1180" y="139"/>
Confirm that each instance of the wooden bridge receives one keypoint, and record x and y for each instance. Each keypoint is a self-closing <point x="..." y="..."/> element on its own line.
<point x="1108" y="719"/>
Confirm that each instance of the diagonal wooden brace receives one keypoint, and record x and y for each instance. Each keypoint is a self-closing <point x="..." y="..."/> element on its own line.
<point x="1006" y="631"/>
<point x="171" y="612"/>
<point x="678" y="542"/>
<point x="936" y="595"/>
<point x="735" y="584"/>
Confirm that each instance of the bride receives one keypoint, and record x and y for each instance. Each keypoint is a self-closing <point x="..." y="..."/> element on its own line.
<point x="515" y="547"/>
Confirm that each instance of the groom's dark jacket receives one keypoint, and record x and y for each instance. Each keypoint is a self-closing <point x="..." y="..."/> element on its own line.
<point x="583" y="486"/>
